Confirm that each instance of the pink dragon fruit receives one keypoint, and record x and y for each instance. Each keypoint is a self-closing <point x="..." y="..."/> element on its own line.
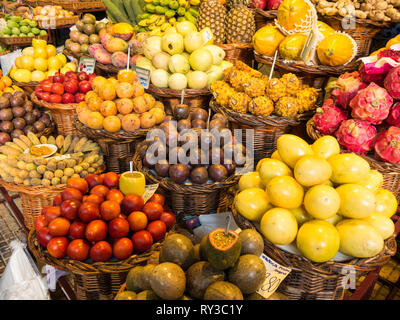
<point x="371" y="104"/>
<point x="328" y="118"/>
<point x="387" y="145"/>
<point x="356" y="135"/>
<point x="394" y="115"/>
<point x="392" y="82"/>
<point x="390" y="53"/>
<point x="273" y="4"/>
<point x="347" y="86"/>
<point x="258" y="4"/>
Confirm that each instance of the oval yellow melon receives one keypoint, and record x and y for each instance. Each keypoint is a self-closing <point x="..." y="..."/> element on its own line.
<point x="325" y="147"/>
<point x="325" y="29"/>
<point x="336" y="49"/>
<point x="291" y="47"/>
<point x="301" y="215"/>
<point x="386" y="203"/>
<point x="311" y="170"/>
<point x="285" y="192"/>
<point x="267" y="39"/>
<point x="382" y="224"/>
<point x="250" y="180"/>
<point x="271" y="168"/>
<point x="291" y="148"/>
<point x="279" y="226"/>
<point x="348" y="168"/>
<point x="275" y="155"/>
<point x="296" y="16"/>
<point x="355" y="201"/>
<point x="252" y="203"/>
<point x="322" y="202"/>
<point x="359" y="239"/>
<point x="373" y="181"/>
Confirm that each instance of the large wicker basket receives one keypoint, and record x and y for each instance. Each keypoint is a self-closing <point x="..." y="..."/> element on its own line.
<point x="20" y="41"/>
<point x="238" y="51"/>
<point x="363" y="32"/>
<point x="62" y="114"/>
<point x="95" y="281"/>
<point x="49" y="23"/>
<point x="264" y="17"/>
<point x="317" y="281"/>
<point x="390" y="171"/>
<point x="118" y="148"/>
<point x="194" y="98"/>
<point x="191" y="199"/>
<point x="266" y="129"/>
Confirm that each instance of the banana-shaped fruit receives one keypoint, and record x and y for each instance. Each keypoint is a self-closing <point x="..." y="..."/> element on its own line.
<point x="33" y="138"/>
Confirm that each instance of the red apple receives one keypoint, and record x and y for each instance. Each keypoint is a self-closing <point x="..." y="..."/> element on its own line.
<point x="52" y="213"/>
<point x="85" y="86"/>
<point x="96" y="230"/>
<point x="157" y="229"/>
<point x="57" y="88"/>
<point x="41" y="222"/>
<point x="153" y="210"/>
<point x="94" y="198"/>
<point x="70" y="208"/>
<point x="93" y="180"/>
<point x="83" y="76"/>
<point x="78" y="183"/>
<point x="91" y="78"/>
<point x="71" y="75"/>
<point x="44" y="236"/>
<point x="55" y="98"/>
<point x="132" y="202"/>
<point x="68" y="98"/>
<point x="100" y="190"/>
<point x="77" y="230"/>
<point x="79" y="97"/>
<point x="46" y="87"/>
<point x="88" y="211"/>
<point x="71" y="194"/>
<point x="46" y="96"/>
<point x="71" y="86"/>
<point x="58" y="78"/>
<point x="168" y="218"/>
<point x="111" y="180"/>
<point x="118" y="228"/>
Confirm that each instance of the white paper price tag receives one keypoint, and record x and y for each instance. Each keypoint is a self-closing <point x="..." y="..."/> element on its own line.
<point x="149" y="191"/>
<point x="87" y="64"/>
<point x="274" y="276"/>
<point x="53" y="275"/>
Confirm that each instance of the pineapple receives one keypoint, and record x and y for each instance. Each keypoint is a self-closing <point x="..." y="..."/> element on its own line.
<point x="307" y="99"/>
<point x="254" y="87"/>
<point x="244" y="67"/>
<point x="212" y="14"/>
<point x="222" y="92"/>
<point x="287" y="107"/>
<point x="238" y="78"/>
<point x="292" y="83"/>
<point x="261" y="106"/>
<point x="275" y="89"/>
<point x="239" y="102"/>
<point x="236" y="3"/>
<point x="240" y="25"/>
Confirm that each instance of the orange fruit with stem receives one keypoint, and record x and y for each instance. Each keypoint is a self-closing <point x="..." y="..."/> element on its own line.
<point x="98" y="83"/>
<point x="126" y="76"/>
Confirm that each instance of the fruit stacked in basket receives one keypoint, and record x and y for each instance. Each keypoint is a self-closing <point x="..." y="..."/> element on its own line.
<point x="17" y="26"/>
<point x="362" y="109"/>
<point x="93" y="221"/>
<point x="318" y="202"/>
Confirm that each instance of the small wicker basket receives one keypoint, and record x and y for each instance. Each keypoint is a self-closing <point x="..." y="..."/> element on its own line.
<point x="316" y="281"/>
<point x="238" y="51"/>
<point x="265" y="17"/>
<point x="95" y="281"/>
<point x="191" y="199"/>
<point x="20" y="41"/>
<point x="390" y="171"/>
<point x="59" y="22"/>
<point x="62" y="114"/>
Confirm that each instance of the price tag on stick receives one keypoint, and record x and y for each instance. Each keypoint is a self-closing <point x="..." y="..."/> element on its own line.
<point x="143" y="75"/>
<point x="87" y="64"/>
<point x="149" y="191"/>
<point x="274" y="276"/>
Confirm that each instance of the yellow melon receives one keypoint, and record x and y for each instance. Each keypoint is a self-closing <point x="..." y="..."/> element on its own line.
<point x="336" y="49"/>
<point x="267" y="39"/>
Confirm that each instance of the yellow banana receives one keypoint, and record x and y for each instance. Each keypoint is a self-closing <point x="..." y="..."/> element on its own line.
<point x="172" y="20"/>
<point x="144" y="23"/>
<point x="165" y="26"/>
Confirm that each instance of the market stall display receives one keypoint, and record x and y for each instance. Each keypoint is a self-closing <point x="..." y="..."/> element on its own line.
<point x="51" y="16"/>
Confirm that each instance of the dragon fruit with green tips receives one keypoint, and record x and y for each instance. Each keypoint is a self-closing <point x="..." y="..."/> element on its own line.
<point x="387" y="145"/>
<point x="356" y="135"/>
<point x="371" y="104"/>
<point x="392" y="83"/>
<point x="328" y="118"/>
<point x="346" y="88"/>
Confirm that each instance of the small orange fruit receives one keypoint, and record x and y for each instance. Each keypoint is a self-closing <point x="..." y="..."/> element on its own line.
<point x="2" y="85"/>
<point x="83" y="115"/>
<point x="108" y="108"/>
<point x="94" y="103"/>
<point x="112" y="124"/>
<point x="7" y="81"/>
<point x="98" y="83"/>
<point x="124" y="106"/>
<point x="130" y="122"/>
<point x="89" y="95"/>
<point x="139" y="104"/>
<point x="159" y="105"/>
<point x="81" y="106"/>
<point x="108" y="92"/>
<point x="124" y="90"/>
<point x="126" y="76"/>
<point x="138" y="90"/>
<point x="95" y="120"/>
<point x="150" y="101"/>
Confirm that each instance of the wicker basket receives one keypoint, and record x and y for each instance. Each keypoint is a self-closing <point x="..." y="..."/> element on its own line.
<point x="266" y="129"/>
<point x="316" y="281"/>
<point x="238" y="51"/>
<point x="390" y="171"/>
<point x="194" y="98"/>
<point x="62" y="114"/>
<point x="363" y="32"/>
<point x="28" y="87"/>
<point x="188" y="198"/>
<point x="118" y="148"/>
<point x="79" y="5"/>
<point x="20" y="41"/>
<point x="263" y="18"/>
<point x="95" y="281"/>
<point x="59" y="22"/>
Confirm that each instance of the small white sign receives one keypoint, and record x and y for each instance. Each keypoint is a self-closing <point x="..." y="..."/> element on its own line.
<point x="149" y="191"/>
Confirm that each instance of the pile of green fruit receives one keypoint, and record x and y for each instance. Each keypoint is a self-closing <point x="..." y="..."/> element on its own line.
<point x="221" y="267"/>
<point x="86" y="33"/>
<point x="159" y="15"/>
<point x="18" y="27"/>
<point x="75" y="157"/>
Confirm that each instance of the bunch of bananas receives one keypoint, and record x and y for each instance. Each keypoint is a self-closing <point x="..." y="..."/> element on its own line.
<point x="162" y="14"/>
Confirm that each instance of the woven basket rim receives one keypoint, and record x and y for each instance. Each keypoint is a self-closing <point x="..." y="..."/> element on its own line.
<point x="79" y="267"/>
<point x="76" y="55"/>
<point x="235" y="46"/>
<point x="386" y="167"/>
<point x="32" y="190"/>
<point x="20" y="40"/>
<point x="172" y="93"/>
<point x="269" y="14"/>
<point x="59" y="21"/>
<point x="365" y="22"/>
<point x="253" y="120"/>
<point x="26" y="84"/>
<point x="53" y="106"/>
<point x="117" y="136"/>
<point x="325" y="269"/>
<point x="182" y="188"/>
<point x="109" y="68"/>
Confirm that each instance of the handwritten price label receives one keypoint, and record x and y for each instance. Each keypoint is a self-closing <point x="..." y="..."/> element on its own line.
<point x="274" y="276"/>
<point x="149" y="191"/>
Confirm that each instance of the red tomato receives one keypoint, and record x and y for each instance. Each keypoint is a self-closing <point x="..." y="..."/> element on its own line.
<point x="89" y="211"/>
<point x="109" y="210"/>
<point x="168" y="218"/>
<point x="157" y="229"/>
<point x="57" y="88"/>
<point x="92" y="180"/>
<point x="59" y="227"/>
<point x="77" y="230"/>
<point x="159" y="198"/>
<point x="137" y="221"/>
<point x="41" y="222"/>
<point x="52" y="213"/>
<point x="57" y="200"/>
<point x="83" y="76"/>
<point x="101" y="251"/>
<point x="115" y="195"/>
<point x="71" y="86"/>
<point x="100" y="190"/>
<point x="58" y="78"/>
<point x="78" y="250"/>
<point x="118" y="228"/>
<point x="96" y="230"/>
<point x="71" y="194"/>
<point x="71" y="75"/>
<point x="78" y="183"/>
<point x="122" y="248"/>
<point x="142" y="241"/>
<point x="44" y="236"/>
<point x="46" y="96"/>
<point x="69" y="209"/>
<point x="153" y="210"/>
<point x="57" y="247"/>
